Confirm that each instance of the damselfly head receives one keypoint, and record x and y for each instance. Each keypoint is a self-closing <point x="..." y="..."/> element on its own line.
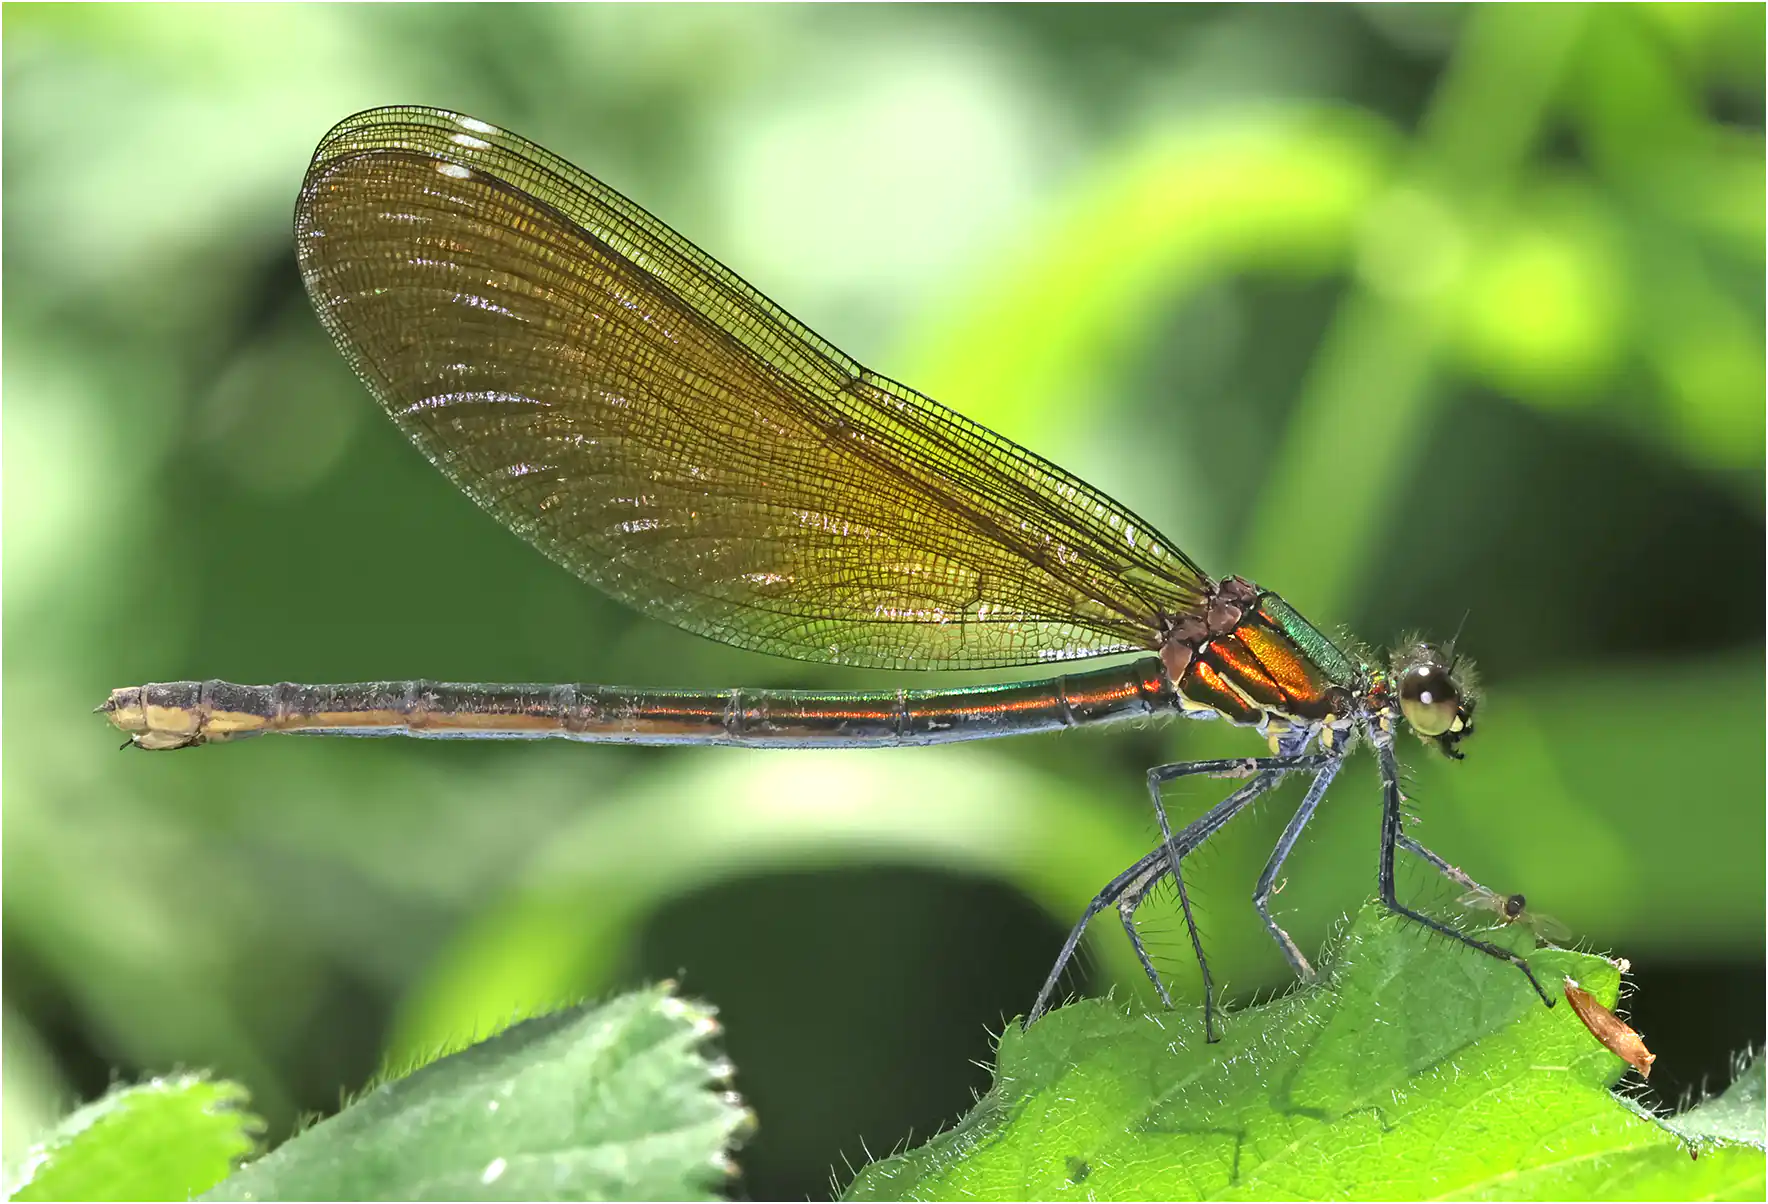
<point x="1437" y="703"/>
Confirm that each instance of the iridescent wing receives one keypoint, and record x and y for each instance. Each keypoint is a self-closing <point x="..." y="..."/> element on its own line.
<point x="644" y="417"/>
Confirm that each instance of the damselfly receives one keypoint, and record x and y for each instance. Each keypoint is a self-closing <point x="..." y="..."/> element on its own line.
<point x="640" y="414"/>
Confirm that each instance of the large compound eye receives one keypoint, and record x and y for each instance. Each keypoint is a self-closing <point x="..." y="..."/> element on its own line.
<point x="1429" y="699"/>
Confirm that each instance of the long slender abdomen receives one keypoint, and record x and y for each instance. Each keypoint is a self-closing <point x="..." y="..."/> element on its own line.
<point x="189" y="713"/>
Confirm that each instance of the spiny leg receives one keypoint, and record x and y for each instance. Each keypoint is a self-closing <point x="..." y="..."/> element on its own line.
<point x="1266" y="772"/>
<point x="1261" y="894"/>
<point x="1226" y="767"/>
<point x="1453" y="873"/>
<point x="1392" y="836"/>
<point x="1209" y="1035"/>
<point x="1119" y="887"/>
<point x="1126" y="910"/>
<point x="1510" y="909"/>
<point x="1131" y="887"/>
<point x="1483" y="895"/>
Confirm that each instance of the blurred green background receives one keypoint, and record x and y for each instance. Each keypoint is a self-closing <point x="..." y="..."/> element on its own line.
<point x="1412" y="313"/>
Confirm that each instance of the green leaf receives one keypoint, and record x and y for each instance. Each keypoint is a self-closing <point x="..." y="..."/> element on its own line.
<point x="609" y="1101"/>
<point x="166" y="1139"/>
<point x="1416" y="1069"/>
<point x="1738" y="1116"/>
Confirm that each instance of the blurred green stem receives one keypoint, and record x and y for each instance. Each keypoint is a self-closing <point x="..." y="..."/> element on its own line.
<point x="1381" y="351"/>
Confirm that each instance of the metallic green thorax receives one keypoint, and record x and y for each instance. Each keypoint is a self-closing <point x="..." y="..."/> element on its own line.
<point x="1331" y="660"/>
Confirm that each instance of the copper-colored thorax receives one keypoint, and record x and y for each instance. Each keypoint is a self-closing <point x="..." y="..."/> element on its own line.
<point x="1234" y="659"/>
<point x="1220" y="614"/>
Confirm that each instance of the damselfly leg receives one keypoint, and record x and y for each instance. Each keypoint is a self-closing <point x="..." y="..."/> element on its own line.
<point x="1512" y="909"/>
<point x="1392" y="837"/>
<point x="1126" y="891"/>
<point x="1131" y="887"/>
<point x="1261" y="895"/>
